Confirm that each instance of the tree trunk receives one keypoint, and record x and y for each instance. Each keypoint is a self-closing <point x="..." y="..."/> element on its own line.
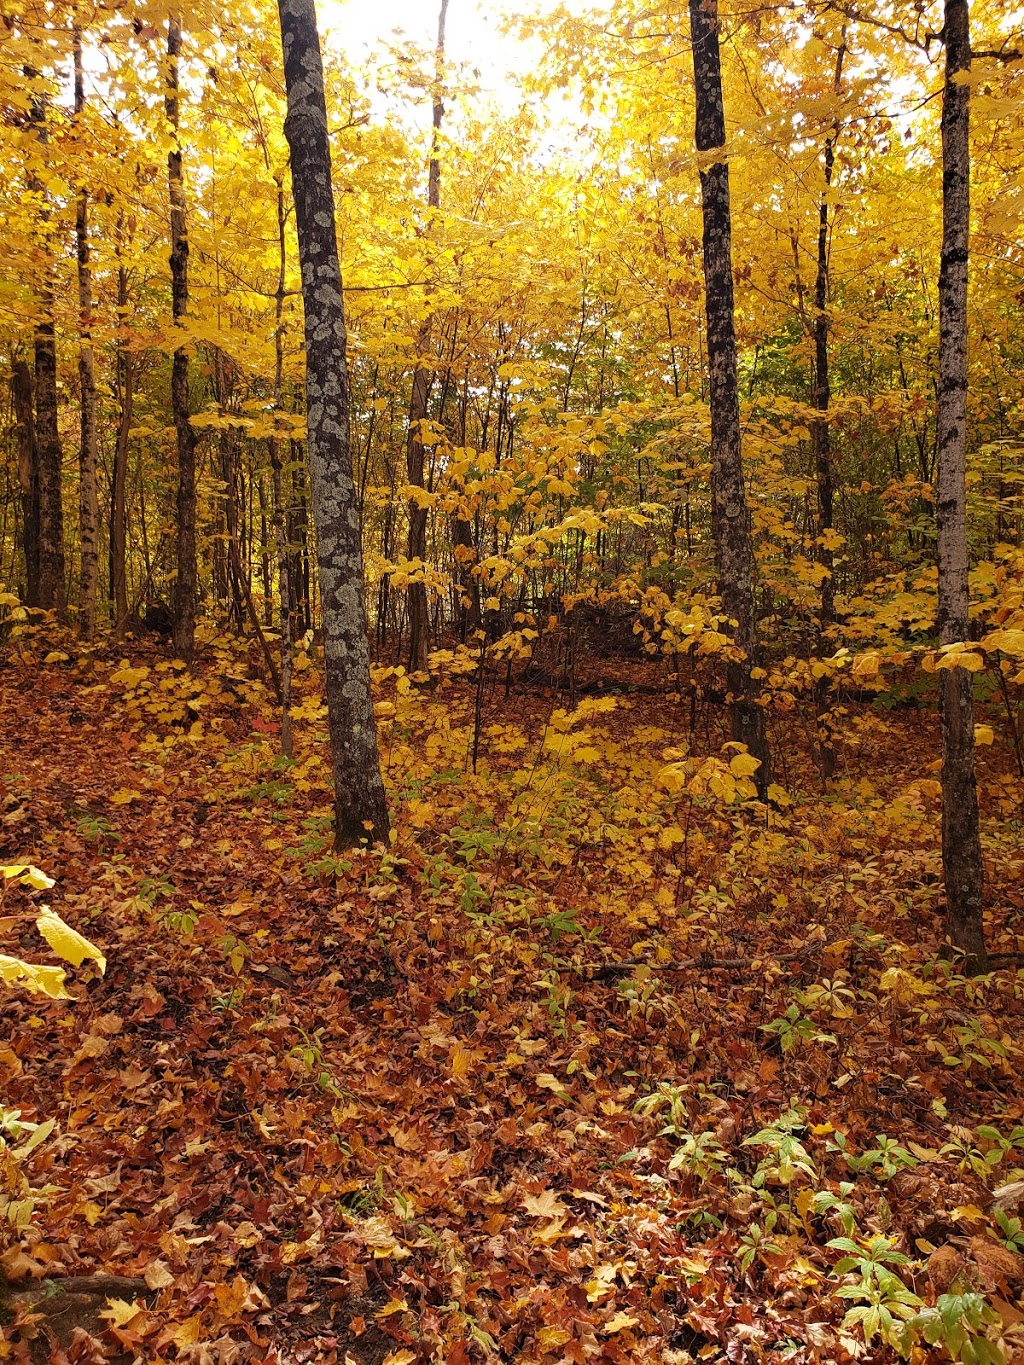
<point x="284" y="586"/>
<point x="419" y="620"/>
<point x="185" y="583"/>
<point x="360" y="807"/>
<point x="961" y="845"/>
<point x="821" y="397"/>
<point x="49" y="464"/>
<point x="729" y="503"/>
<point x="28" y="475"/>
<point x="119" y="475"/>
<point x="88" y="496"/>
<point x="49" y="455"/>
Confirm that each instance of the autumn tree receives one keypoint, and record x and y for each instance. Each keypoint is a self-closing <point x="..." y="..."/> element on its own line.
<point x="961" y="844"/>
<point x="730" y="516"/>
<point x="185" y="583"/>
<point x="360" y="807"/>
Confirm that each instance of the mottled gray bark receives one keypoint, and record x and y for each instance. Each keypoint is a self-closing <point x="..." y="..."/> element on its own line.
<point x="961" y="845"/>
<point x="729" y="503"/>
<point x="88" y="495"/>
<point x="360" y="806"/>
<point x="419" y="616"/>
<point x="186" y="579"/>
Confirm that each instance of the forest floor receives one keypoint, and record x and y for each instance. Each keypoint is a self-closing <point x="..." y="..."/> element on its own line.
<point x="399" y="1107"/>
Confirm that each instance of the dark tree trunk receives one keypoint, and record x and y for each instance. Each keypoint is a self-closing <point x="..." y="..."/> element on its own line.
<point x="729" y="503"/>
<point x="28" y="475"/>
<point x="119" y="476"/>
<point x="821" y="397"/>
<point x="52" y="591"/>
<point x="961" y="845"/>
<point x="186" y="580"/>
<point x="419" y="616"/>
<point x="88" y="496"/>
<point x="360" y="807"/>
<point x="49" y="464"/>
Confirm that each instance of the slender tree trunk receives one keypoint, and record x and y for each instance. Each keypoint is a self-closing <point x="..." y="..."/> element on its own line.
<point x="360" y="807"/>
<point x="119" y="475"/>
<point x="88" y="496"/>
<point x="961" y="845"/>
<point x="49" y="463"/>
<point x="419" y="618"/>
<point x="284" y="587"/>
<point x="822" y="390"/>
<point x="186" y="581"/>
<point x="28" y="475"/>
<point x="821" y="445"/>
<point x="49" y="454"/>
<point x="731" y="529"/>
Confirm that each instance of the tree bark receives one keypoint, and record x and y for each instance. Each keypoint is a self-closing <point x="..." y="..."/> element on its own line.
<point x="419" y="616"/>
<point x="28" y="475"/>
<point x="52" y="591"/>
<point x="961" y="844"/>
<point x="821" y="397"/>
<point x="729" y="503"/>
<point x="88" y="496"/>
<point x="186" y="580"/>
<point x="119" y="474"/>
<point x="360" y="806"/>
<point x="284" y="586"/>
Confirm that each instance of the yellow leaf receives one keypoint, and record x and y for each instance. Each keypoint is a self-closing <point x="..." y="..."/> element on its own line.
<point x="391" y="1307"/>
<point x="983" y="734"/>
<point x="550" y="1338"/>
<point x="66" y="942"/>
<point x="744" y="765"/>
<point x="35" y="978"/>
<point x="544" y="1205"/>
<point x="124" y="796"/>
<point x="402" y="1357"/>
<point x="28" y="876"/>
<point x="119" y="1313"/>
<point x="619" y="1323"/>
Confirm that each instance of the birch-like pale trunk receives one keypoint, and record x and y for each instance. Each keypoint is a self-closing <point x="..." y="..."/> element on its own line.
<point x="729" y="502"/>
<point x="360" y="807"/>
<point x="961" y="844"/>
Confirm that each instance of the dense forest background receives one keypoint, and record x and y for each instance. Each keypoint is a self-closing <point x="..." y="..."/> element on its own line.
<point x="673" y="1020"/>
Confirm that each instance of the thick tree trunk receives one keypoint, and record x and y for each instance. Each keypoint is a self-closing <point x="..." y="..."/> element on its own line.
<point x="186" y="581"/>
<point x="28" y="475"/>
<point x="88" y="496"/>
<point x="360" y="806"/>
<point x="419" y="616"/>
<point x="729" y="503"/>
<point x="961" y="845"/>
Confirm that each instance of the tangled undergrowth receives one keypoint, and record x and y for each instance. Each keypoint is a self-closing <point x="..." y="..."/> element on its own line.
<point x="409" y="1105"/>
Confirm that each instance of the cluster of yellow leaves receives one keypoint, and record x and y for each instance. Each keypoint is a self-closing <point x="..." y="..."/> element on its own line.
<point x="66" y="942"/>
